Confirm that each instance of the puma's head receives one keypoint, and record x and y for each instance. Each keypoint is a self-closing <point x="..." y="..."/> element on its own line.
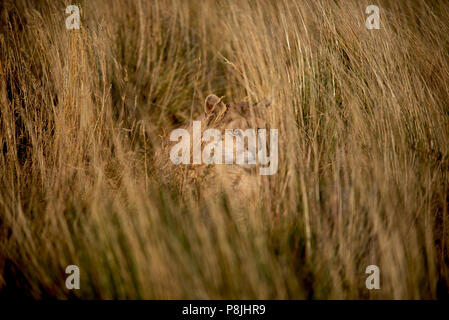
<point x="241" y="115"/>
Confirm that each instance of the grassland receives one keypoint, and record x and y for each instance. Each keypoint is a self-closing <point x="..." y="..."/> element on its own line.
<point x="363" y="121"/>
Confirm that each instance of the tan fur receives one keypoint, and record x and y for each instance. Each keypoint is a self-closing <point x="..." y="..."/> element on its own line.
<point x="238" y="182"/>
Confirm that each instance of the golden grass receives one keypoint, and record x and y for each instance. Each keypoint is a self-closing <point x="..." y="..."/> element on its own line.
<point x="363" y="174"/>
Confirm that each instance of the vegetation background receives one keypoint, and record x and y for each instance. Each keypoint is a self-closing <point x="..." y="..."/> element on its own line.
<point x="363" y="120"/>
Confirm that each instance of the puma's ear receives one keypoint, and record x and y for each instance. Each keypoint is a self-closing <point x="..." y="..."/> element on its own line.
<point x="213" y="104"/>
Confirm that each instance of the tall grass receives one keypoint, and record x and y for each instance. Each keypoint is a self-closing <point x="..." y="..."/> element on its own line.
<point x="363" y="172"/>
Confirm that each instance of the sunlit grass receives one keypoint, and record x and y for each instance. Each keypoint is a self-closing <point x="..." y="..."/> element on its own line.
<point x="364" y="149"/>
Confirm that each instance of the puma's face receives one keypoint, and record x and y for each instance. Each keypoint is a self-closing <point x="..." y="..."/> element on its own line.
<point x="242" y="115"/>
